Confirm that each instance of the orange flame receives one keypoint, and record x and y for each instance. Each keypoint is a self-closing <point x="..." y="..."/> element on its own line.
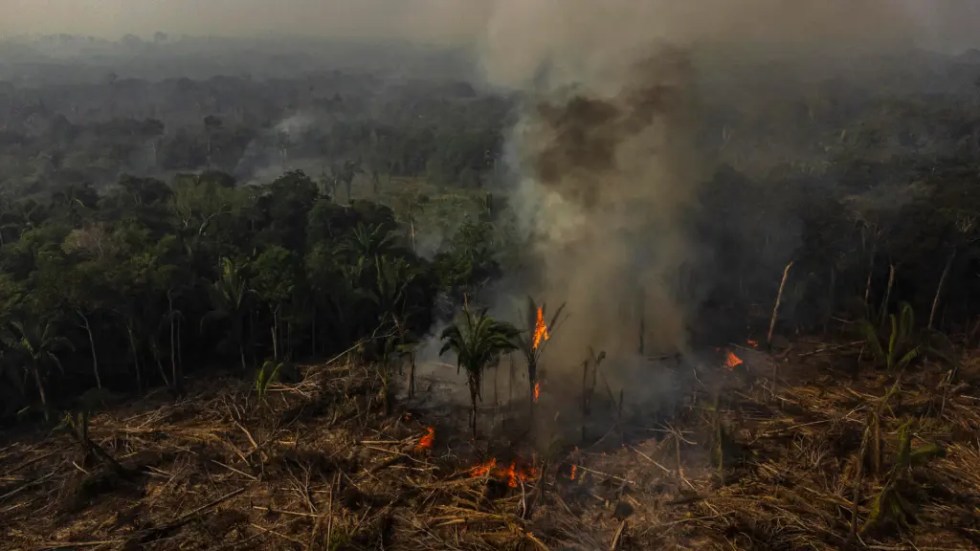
<point x="537" y="391"/>
<point x="512" y="474"/>
<point x="483" y="469"/>
<point x="427" y="440"/>
<point x="732" y="361"/>
<point x="571" y="475"/>
<point x="753" y="343"/>
<point x="540" y="330"/>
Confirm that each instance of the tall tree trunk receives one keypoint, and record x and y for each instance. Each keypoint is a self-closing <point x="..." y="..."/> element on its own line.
<point x="36" y="371"/>
<point x="474" y="395"/>
<point x="831" y="302"/>
<point x="411" y="227"/>
<point x="411" y="375"/>
<point x="779" y="300"/>
<point x="939" y="288"/>
<point x="136" y="357"/>
<point x="883" y="315"/>
<point x="275" y="333"/>
<point x="867" y="286"/>
<point x="240" y="337"/>
<point x="180" y="349"/>
<point x="313" y="333"/>
<point x="174" y="370"/>
<point x="155" y="349"/>
<point x="91" y="342"/>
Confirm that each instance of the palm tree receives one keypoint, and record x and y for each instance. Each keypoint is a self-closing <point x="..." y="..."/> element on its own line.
<point x="369" y="242"/>
<point x="533" y="338"/>
<point x="38" y="344"/>
<point x="390" y="296"/>
<point x="478" y="341"/>
<point x="229" y="297"/>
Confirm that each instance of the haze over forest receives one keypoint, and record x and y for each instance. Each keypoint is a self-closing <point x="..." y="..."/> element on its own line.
<point x="705" y="251"/>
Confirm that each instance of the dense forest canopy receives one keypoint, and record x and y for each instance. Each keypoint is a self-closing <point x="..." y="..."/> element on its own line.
<point x="177" y="214"/>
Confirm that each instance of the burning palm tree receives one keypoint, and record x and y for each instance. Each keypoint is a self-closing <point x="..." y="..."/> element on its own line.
<point x="532" y="341"/>
<point x="478" y="341"/>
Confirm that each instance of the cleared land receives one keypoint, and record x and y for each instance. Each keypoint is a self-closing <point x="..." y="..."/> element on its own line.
<point x="317" y="465"/>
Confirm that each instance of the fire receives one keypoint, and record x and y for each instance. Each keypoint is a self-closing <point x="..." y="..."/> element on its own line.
<point x="537" y="391"/>
<point x="483" y="469"/>
<point x="427" y="439"/>
<point x="512" y="474"/>
<point x="732" y="361"/>
<point x="540" y="330"/>
<point x="753" y="343"/>
<point x="571" y="475"/>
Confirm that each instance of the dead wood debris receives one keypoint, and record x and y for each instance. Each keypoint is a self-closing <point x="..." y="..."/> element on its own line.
<point x="317" y="466"/>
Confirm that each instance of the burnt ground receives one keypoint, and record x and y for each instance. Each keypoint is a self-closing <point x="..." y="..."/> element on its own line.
<point x="735" y="464"/>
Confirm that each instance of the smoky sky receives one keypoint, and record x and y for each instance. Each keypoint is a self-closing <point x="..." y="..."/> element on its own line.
<point x="423" y="20"/>
<point x="934" y="24"/>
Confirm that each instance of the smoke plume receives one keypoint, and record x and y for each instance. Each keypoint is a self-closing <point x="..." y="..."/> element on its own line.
<point x="607" y="148"/>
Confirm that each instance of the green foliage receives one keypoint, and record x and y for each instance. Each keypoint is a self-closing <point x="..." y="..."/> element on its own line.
<point x="478" y="340"/>
<point x="266" y="375"/>
<point x="900" y="347"/>
<point x="895" y="504"/>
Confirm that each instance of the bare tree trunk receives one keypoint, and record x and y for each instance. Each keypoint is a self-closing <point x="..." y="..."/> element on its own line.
<point x="832" y="299"/>
<point x="180" y="349"/>
<point x="91" y="342"/>
<point x="313" y="333"/>
<point x="240" y="336"/>
<point x="174" y="370"/>
<point x="496" y="373"/>
<point x="275" y="331"/>
<point x="883" y="315"/>
<point x="474" y="394"/>
<point x="411" y="376"/>
<point x="136" y="358"/>
<point x="939" y="288"/>
<point x="779" y="299"/>
<point x="867" y="286"/>
<point x="36" y="371"/>
<point x="513" y="374"/>
<point x="585" y="396"/>
<point x="155" y="348"/>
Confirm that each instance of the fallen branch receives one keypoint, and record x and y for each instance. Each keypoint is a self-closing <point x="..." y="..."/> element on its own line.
<point x="156" y="533"/>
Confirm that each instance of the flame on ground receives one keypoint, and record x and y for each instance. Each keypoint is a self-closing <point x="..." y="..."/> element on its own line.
<point x="753" y="343"/>
<point x="540" y="330"/>
<point x="427" y="440"/>
<point x="732" y="361"/>
<point x="537" y="391"/>
<point x="512" y="474"/>
<point x="573" y="472"/>
<point x="483" y="469"/>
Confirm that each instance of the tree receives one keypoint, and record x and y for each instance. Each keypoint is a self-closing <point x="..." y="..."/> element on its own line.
<point x="532" y="340"/>
<point x="38" y="344"/>
<point x="478" y="340"/>
<point x="229" y="299"/>
<point x="275" y="276"/>
<point x="370" y="242"/>
<point x="345" y="173"/>
<point x="393" y="278"/>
